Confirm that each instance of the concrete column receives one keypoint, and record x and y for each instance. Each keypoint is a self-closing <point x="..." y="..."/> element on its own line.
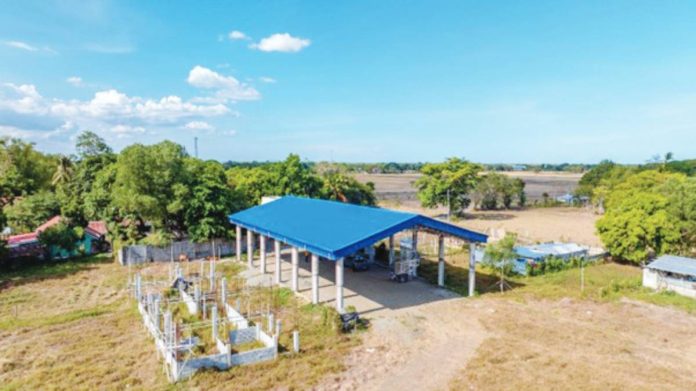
<point x="262" y="249"/>
<point x="296" y="341"/>
<point x="212" y="275"/>
<point x="223" y="291"/>
<point x="239" y="243"/>
<point x="472" y="269"/>
<point x="250" y="248"/>
<point x="295" y="267"/>
<point x="441" y="260"/>
<point x="156" y="313"/>
<point x="391" y="250"/>
<point x="213" y="319"/>
<point x="277" y="261"/>
<point x="315" y="279"/>
<point x="339" y="285"/>
<point x="414" y="238"/>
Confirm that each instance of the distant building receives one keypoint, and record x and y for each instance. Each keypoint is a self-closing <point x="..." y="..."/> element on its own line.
<point x="673" y="273"/>
<point x="538" y="253"/>
<point x="519" y="167"/>
<point x="566" y="198"/>
<point x="28" y="245"/>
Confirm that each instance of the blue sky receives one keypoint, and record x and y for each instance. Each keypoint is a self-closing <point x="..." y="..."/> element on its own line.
<point x="356" y="81"/>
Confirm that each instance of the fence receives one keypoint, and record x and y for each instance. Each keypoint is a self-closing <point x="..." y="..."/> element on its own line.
<point x="141" y="253"/>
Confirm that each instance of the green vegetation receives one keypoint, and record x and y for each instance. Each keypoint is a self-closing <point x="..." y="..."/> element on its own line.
<point x="150" y="193"/>
<point x="500" y="256"/>
<point x="448" y="184"/>
<point x="496" y="190"/>
<point x="650" y="210"/>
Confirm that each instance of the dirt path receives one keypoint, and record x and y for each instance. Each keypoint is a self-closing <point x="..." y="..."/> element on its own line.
<point x="425" y="345"/>
<point x="559" y="344"/>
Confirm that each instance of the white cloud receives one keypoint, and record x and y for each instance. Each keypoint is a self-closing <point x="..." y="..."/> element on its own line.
<point x="237" y="35"/>
<point x="198" y="125"/>
<point x="281" y="43"/>
<point x="21" y="45"/>
<point x="267" y="79"/>
<point x="226" y="87"/>
<point x="75" y="81"/>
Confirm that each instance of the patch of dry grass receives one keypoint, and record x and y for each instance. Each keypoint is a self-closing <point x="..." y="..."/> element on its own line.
<point x="74" y="325"/>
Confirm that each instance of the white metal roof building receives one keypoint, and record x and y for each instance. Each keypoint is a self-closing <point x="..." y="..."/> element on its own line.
<point x="670" y="272"/>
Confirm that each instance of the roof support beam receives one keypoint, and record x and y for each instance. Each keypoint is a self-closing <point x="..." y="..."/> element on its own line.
<point x="262" y="251"/>
<point x="315" y="279"/>
<point x="339" y="285"/>
<point x="472" y="269"/>
<point x="295" y="267"/>
<point x="239" y="242"/>
<point x="250" y="248"/>
<point x="276" y="243"/>
<point x="441" y="260"/>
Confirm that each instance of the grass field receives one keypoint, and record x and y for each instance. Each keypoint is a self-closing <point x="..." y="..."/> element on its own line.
<point x="72" y="325"/>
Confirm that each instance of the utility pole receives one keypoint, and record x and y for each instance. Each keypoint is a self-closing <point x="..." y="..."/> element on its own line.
<point x="449" y="206"/>
<point x="195" y="147"/>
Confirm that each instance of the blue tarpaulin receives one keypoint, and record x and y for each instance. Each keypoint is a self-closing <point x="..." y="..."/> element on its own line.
<point x="334" y="229"/>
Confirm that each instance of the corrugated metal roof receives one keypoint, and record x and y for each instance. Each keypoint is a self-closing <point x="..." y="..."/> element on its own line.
<point x="674" y="264"/>
<point x="335" y="229"/>
<point x="543" y="250"/>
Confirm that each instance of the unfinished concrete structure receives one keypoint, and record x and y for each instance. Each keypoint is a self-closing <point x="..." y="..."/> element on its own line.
<point x="331" y="231"/>
<point x="181" y="344"/>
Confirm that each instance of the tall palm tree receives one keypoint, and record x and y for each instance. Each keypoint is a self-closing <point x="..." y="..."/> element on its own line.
<point x="64" y="171"/>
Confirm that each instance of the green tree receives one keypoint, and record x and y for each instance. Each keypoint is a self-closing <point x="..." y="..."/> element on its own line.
<point x="340" y="187"/>
<point x="639" y="222"/>
<point x="64" y="171"/>
<point x="501" y="256"/>
<point x="60" y="236"/>
<point x="451" y="181"/>
<point x="209" y="201"/>
<point x="28" y="213"/>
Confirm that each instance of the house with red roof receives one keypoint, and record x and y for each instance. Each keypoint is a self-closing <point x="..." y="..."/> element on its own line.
<point x="28" y="245"/>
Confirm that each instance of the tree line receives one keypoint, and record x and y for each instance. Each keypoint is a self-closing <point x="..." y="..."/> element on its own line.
<point x="148" y="193"/>
<point x="457" y="183"/>
<point x="648" y="210"/>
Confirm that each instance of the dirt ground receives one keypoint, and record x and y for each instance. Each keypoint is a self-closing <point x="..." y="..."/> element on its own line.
<point x="501" y="344"/>
<point x="532" y="225"/>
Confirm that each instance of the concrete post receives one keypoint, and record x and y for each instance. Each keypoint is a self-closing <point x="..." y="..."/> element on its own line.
<point x="441" y="260"/>
<point x="155" y="313"/>
<point x="295" y="267"/>
<point x="137" y="287"/>
<point x="239" y="243"/>
<point x="213" y="319"/>
<point x="296" y="341"/>
<point x="472" y="269"/>
<point x="315" y="279"/>
<point x="271" y="322"/>
<point x="339" y="285"/>
<point x="277" y="261"/>
<point x="212" y="275"/>
<point x="223" y="291"/>
<point x="250" y="248"/>
<point x="262" y="250"/>
<point x="414" y="238"/>
<point x="278" y="328"/>
<point x="167" y="332"/>
<point x="391" y="250"/>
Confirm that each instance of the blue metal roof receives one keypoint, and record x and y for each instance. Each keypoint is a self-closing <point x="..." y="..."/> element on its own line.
<point x="674" y="264"/>
<point x="544" y="250"/>
<point x="334" y="229"/>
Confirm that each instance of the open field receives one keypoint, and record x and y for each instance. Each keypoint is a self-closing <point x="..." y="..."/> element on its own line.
<point x="531" y="225"/>
<point x="73" y="325"/>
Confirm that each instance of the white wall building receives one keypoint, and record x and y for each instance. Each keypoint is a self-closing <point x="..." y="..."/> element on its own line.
<point x="673" y="273"/>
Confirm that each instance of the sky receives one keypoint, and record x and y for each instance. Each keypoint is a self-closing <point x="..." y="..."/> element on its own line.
<point x="358" y="81"/>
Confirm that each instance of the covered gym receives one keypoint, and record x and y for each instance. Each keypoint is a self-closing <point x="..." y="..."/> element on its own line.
<point x="331" y="231"/>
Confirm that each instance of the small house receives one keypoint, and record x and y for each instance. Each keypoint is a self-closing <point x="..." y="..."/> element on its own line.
<point x="672" y="273"/>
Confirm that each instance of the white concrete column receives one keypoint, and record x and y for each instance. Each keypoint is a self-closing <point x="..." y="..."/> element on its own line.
<point x="277" y="261"/>
<point x="239" y="243"/>
<point x="339" y="285"/>
<point x="414" y="238"/>
<point x="315" y="279"/>
<point x="472" y="269"/>
<point x="223" y="291"/>
<point x="295" y="268"/>
<point x="441" y="260"/>
<point x="262" y="250"/>
<point x="391" y="250"/>
<point x="214" y="319"/>
<point x="250" y="248"/>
